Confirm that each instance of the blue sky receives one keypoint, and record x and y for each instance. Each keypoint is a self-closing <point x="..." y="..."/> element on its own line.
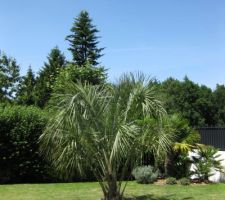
<point x="159" y="37"/>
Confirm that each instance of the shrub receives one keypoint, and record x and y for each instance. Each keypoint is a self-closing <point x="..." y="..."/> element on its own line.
<point x="171" y="181"/>
<point x="74" y="73"/>
<point x="145" y="174"/>
<point x="184" y="181"/>
<point x="20" y="128"/>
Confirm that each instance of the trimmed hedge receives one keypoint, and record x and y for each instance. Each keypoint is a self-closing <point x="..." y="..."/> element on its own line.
<point x="20" y="128"/>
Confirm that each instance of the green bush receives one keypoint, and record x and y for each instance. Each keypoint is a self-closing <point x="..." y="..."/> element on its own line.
<point x="171" y="181"/>
<point x="185" y="181"/>
<point x="85" y="74"/>
<point x="145" y="174"/>
<point x="20" y="128"/>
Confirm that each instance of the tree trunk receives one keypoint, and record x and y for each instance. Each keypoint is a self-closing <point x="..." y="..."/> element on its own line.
<point x="169" y="165"/>
<point x="112" y="193"/>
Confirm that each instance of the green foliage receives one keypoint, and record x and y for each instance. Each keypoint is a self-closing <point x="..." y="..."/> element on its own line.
<point x="193" y="102"/>
<point x="20" y="128"/>
<point x="9" y="77"/>
<point x="185" y="181"/>
<point x="182" y="131"/>
<point x="206" y="160"/>
<point x="83" y="41"/>
<point x="219" y="98"/>
<point x="171" y="181"/>
<point x="181" y="164"/>
<point x="25" y="93"/>
<point x="174" y="131"/>
<point x="145" y="174"/>
<point x="47" y="76"/>
<point x="72" y="73"/>
<point x="155" y="133"/>
<point x="96" y="128"/>
<point x="184" y="138"/>
<point x="89" y="74"/>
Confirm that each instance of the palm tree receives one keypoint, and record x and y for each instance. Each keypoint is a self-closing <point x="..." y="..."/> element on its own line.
<point x="206" y="161"/>
<point x="184" y="139"/>
<point x="96" y="127"/>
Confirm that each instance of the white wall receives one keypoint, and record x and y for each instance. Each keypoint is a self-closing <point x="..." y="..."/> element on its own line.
<point x="218" y="176"/>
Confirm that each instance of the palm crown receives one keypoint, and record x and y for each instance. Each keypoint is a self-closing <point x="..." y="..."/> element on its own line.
<point x="96" y="127"/>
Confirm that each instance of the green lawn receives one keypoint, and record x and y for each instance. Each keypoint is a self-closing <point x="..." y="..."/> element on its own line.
<point x="91" y="191"/>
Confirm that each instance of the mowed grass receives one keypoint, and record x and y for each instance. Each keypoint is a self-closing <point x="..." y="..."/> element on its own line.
<point x="91" y="191"/>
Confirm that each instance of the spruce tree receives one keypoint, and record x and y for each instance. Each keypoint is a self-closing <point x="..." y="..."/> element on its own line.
<point x="48" y="75"/>
<point x="83" y="41"/>
<point x="25" y="94"/>
<point x="9" y="77"/>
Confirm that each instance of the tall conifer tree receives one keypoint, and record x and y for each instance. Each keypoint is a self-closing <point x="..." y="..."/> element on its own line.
<point x="25" y="94"/>
<point x="48" y="75"/>
<point x="83" y="41"/>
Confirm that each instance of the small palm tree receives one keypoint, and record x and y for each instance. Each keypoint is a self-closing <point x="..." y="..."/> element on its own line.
<point x="184" y="140"/>
<point x="207" y="161"/>
<point x="96" y="127"/>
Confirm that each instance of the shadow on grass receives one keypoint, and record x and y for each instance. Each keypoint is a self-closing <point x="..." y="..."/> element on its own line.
<point x="153" y="197"/>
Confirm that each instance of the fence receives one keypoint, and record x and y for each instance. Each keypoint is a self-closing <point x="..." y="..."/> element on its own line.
<point x="214" y="136"/>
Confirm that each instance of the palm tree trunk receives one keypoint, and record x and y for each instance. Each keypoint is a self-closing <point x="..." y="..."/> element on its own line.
<point x="112" y="193"/>
<point x="169" y="165"/>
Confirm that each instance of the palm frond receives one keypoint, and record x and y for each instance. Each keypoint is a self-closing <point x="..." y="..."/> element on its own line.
<point x="182" y="147"/>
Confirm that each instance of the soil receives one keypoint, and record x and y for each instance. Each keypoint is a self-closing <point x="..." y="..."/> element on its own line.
<point x="194" y="182"/>
<point x="160" y="182"/>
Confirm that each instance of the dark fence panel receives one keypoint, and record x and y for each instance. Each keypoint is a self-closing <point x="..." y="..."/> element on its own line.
<point x="214" y="136"/>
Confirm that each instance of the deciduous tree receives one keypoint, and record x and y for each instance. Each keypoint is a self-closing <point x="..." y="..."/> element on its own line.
<point x="9" y="77"/>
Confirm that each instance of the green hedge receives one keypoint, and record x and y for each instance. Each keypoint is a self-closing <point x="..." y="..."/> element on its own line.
<point x="20" y="128"/>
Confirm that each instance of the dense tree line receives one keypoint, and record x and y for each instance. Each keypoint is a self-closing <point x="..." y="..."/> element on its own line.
<point x="32" y="89"/>
<point x="200" y="105"/>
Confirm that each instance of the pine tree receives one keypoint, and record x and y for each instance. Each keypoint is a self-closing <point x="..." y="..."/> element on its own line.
<point x="9" y="77"/>
<point x="47" y="76"/>
<point x="83" y="41"/>
<point x="25" y="94"/>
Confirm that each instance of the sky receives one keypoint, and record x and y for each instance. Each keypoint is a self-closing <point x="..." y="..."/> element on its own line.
<point x="162" y="38"/>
